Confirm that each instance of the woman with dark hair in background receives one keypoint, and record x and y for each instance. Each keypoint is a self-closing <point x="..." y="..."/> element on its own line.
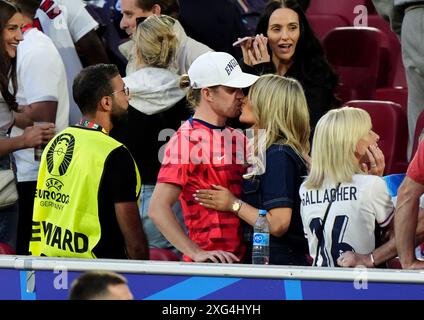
<point x="285" y="44"/>
<point x="11" y="22"/>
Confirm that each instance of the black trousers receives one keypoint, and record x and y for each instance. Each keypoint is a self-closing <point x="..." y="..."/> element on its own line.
<point x="26" y="191"/>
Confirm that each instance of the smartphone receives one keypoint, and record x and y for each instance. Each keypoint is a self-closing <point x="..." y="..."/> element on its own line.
<point x="240" y="41"/>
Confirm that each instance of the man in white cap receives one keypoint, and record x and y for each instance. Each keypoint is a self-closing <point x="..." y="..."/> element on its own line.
<point x="202" y="153"/>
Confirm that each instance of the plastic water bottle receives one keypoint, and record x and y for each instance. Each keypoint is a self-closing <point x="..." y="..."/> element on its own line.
<point x="260" y="251"/>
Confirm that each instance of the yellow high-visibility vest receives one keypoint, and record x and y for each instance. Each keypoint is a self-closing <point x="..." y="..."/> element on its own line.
<point x="66" y="217"/>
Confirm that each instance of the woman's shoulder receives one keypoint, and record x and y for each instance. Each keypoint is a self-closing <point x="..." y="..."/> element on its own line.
<point x="284" y="152"/>
<point x="281" y="149"/>
<point x="367" y="177"/>
<point x="369" y="181"/>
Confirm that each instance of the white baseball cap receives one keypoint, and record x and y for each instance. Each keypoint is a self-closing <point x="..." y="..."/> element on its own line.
<point x="218" y="68"/>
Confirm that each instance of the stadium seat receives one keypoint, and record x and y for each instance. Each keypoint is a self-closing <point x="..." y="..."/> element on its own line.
<point x="392" y="71"/>
<point x="393" y="263"/>
<point x="418" y="129"/>
<point x="397" y="95"/>
<point x="309" y="260"/>
<point x="344" y="8"/>
<point x="354" y="52"/>
<point x="6" y="249"/>
<point x="400" y="76"/>
<point x="390" y="51"/>
<point x="322" y="24"/>
<point x="389" y="122"/>
<point x="163" y="254"/>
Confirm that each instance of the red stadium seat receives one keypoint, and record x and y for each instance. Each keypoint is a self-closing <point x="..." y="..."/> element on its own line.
<point x="354" y="52"/>
<point x="322" y="24"/>
<point x="6" y="249"/>
<point x="394" y="264"/>
<point x="389" y="122"/>
<point x="344" y="8"/>
<point x="309" y="260"/>
<point x="418" y="129"/>
<point x="397" y="95"/>
<point x="390" y="51"/>
<point x="163" y="254"/>
<point x="400" y="76"/>
<point x="392" y="71"/>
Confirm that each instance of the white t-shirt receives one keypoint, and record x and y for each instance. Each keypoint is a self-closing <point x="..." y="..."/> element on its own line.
<point x="41" y="77"/>
<point x="66" y="22"/>
<point x="351" y="220"/>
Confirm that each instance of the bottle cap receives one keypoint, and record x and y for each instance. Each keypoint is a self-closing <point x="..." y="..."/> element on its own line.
<point x="262" y="212"/>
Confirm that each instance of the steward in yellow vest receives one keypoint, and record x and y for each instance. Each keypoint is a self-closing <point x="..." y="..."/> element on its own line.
<point x="88" y="189"/>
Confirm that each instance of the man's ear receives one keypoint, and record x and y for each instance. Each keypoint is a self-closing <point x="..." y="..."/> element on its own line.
<point x="206" y="94"/>
<point x="106" y="103"/>
<point x="156" y="9"/>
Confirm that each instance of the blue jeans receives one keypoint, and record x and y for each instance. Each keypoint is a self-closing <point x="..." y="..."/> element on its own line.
<point x="9" y="225"/>
<point x="154" y="236"/>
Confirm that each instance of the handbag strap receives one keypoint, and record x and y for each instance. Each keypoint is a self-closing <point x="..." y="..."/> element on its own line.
<point x="6" y="162"/>
<point x="320" y="233"/>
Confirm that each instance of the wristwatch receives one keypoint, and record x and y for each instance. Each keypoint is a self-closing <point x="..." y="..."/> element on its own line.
<point x="235" y="207"/>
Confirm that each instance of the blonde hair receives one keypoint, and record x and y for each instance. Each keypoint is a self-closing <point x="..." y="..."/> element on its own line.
<point x="193" y="96"/>
<point x="334" y="146"/>
<point x="155" y="41"/>
<point x="280" y="107"/>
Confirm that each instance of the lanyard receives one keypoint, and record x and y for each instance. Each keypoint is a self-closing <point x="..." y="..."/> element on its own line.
<point x="92" y="125"/>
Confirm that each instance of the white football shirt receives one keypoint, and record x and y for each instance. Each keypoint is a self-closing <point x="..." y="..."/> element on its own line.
<point x="351" y="219"/>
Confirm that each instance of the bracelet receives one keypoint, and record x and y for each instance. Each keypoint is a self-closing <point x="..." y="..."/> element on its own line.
<point x="372" y="259"/>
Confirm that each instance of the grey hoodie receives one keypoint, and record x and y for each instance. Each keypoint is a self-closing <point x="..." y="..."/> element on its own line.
<point x="154" y="90"/>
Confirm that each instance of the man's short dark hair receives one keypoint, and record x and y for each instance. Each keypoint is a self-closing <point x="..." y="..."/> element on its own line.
<point x="92" y="84"/>
<point x="28" y="7"/>
<point x="168" y="7"/>
<point x="94" y="285"/>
